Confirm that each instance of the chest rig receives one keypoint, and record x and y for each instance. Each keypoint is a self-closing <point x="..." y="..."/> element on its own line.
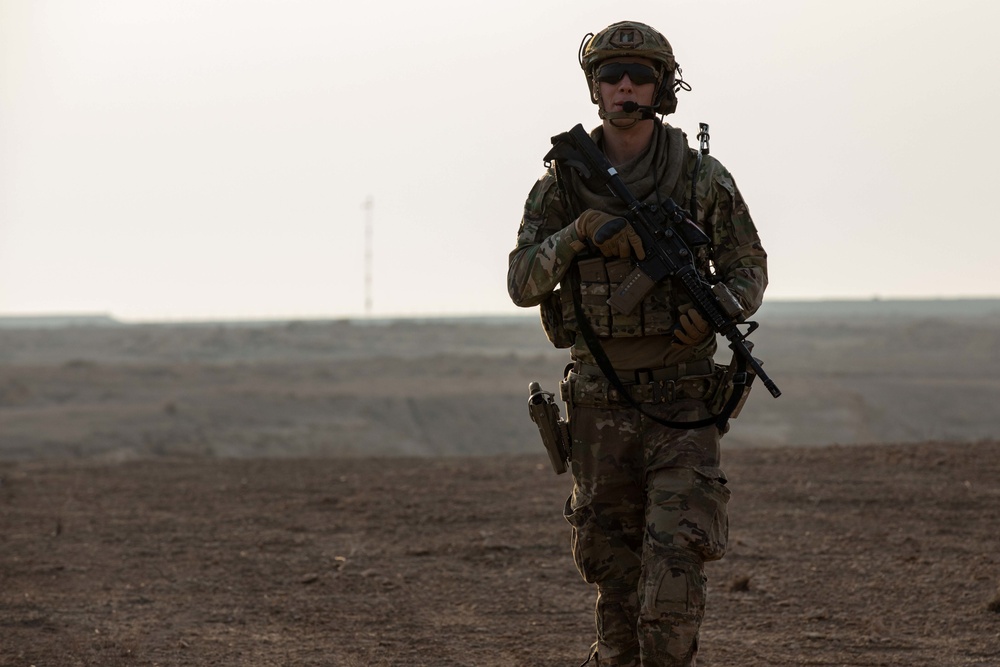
<point x="596" y="277"/>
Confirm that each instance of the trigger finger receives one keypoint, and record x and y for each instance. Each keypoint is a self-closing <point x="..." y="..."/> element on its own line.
<point x="623" y="247"/>
<point x="636" y="242"/>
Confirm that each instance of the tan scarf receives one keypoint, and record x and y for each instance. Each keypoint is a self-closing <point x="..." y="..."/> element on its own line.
<point x="661" y="164"/>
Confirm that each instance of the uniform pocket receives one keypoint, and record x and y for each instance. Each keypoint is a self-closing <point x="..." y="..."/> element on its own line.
<point x="711" y="486"/>
<point x="688" y="511"/>
<point x="591" y="551"/>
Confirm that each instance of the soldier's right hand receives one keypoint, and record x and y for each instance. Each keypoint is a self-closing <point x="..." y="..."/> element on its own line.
<point x="692" y="328"/>
<point x="612" y="235"/>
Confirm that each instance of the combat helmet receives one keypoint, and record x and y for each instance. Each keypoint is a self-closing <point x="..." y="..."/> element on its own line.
<point x="631" y="38"/>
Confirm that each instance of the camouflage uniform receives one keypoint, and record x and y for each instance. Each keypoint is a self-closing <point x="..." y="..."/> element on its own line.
<point x="648" y="506"/>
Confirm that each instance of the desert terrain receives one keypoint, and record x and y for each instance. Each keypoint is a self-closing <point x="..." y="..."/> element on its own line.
<point x="372" y="493"/>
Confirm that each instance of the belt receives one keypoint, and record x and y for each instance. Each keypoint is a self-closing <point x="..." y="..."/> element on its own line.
<point x="648" y="375"/>
<point x="661" y="385"/>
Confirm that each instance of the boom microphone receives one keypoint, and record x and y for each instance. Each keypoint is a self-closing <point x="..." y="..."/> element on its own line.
<point x="648" y="112"/>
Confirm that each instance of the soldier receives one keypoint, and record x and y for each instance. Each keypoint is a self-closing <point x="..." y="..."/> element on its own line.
<point x="649" y="501"/>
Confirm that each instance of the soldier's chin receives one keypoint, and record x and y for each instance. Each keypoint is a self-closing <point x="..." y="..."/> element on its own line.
<point x="623" y="123"/>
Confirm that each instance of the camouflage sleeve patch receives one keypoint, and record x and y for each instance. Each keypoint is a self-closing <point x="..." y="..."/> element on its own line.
<point x="542" y="192"/>
<point x="738" y="254"/>
<point x="528" y="233"/>
<point x="545" y="243"/>
<point x="542" y="203"/>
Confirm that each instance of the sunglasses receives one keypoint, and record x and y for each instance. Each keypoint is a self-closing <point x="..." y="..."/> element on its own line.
<point x="637" y="74"/>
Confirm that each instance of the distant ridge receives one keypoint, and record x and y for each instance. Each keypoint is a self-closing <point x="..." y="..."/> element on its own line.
<point x="839" y="308"/>
<point x="56" y="321"/>
<point x="970" y="307"/>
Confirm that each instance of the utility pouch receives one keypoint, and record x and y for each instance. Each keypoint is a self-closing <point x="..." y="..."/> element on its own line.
<point x="554" y="431"/>
<point x="552" y="321"/>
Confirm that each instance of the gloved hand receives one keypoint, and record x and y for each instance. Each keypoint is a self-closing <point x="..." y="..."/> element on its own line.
<point x="692" y="328"/>
<point x="612" y="235"/>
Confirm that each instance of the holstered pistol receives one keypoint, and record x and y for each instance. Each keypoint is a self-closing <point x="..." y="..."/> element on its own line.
<point x="554" y="431"/>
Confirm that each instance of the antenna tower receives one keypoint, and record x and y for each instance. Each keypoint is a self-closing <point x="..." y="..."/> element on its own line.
<point x="369" y="207"/>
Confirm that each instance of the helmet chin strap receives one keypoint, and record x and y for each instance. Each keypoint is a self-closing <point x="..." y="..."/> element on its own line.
<point x="615" y="116"/>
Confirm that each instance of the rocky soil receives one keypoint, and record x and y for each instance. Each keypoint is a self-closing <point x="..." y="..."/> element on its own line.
<point x="864" y="555"/>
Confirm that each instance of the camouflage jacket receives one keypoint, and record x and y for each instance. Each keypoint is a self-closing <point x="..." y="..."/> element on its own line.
<point x="549" y="262"/>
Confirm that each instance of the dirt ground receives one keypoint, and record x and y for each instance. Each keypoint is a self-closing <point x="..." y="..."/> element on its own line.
<point x="872" y="555"/>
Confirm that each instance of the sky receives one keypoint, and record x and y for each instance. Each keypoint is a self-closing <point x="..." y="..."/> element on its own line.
<point x="212" y="159"/>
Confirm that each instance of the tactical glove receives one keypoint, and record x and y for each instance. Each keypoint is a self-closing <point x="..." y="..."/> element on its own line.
<point x="612" y="235"/>
<point x="692" y="328"/>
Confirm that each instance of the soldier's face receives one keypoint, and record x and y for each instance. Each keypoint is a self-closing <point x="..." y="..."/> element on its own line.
<point x="636" y="87"/>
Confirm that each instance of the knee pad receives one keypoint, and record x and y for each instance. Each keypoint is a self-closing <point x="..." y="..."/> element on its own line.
<point x="673" y="584"/>
<point x="672" y="606"/>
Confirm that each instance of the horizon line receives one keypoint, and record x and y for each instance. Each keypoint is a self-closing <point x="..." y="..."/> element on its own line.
<point x="109" y="318"/>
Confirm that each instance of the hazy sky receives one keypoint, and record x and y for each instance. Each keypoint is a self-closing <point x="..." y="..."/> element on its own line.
<point x="203" y="159"/>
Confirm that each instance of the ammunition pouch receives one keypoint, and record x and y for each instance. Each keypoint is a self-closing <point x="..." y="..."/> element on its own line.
<point x="600" y="279"/>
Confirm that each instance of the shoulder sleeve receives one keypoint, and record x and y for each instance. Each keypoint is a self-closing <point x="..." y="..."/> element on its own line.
<point x="547" y="243"/>
<point x="738" y="255"/>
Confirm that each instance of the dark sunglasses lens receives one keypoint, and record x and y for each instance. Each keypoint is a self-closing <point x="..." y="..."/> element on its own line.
<point x="638" y="74"/>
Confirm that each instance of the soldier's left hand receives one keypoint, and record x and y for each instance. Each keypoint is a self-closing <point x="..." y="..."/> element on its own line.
<point x="692" y="328"/>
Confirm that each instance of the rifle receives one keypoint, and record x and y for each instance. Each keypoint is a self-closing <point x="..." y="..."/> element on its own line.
<point x="667" y="236"/>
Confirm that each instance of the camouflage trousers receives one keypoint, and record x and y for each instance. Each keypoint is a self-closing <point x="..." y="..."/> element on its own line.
<point x="648" y="508"/>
